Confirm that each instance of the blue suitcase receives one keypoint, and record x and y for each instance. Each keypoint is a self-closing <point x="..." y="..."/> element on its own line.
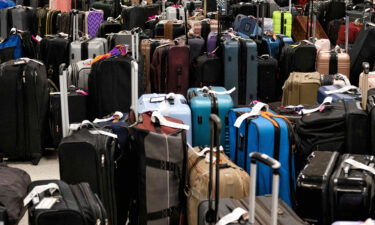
<point x="353" y="94"/>
<point x="202" y="104"/>
<point x="274" y="46"/>
<point x="171" y="105"/>
<point x="246" y="26"/>
<point x="243" y="73"/>
<point x="261" y="135"/>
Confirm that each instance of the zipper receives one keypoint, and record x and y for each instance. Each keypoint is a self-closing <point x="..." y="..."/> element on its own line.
<point x="92" y="201"/>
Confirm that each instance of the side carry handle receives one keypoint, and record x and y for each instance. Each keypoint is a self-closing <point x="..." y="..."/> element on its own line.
<point x="366" y="71"/>
<point x="275" y="165"/>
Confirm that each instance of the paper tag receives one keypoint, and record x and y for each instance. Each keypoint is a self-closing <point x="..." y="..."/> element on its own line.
<point x="52" y="187"/>
<point x="102" y="132"/>
<point x="46" y="203"/>
<point x="157" y="99"/>
<point x="234" y="216"/>
<point x="116" y="115"/>
<point x="38" y="38"/>
<point x="206" y="150"/>
<point x="327" y="100"/>
<point x="342" y="90"/>
<point x="255" y="111"/>
<point x="164" y="122"/>
<point x="74" y="126"/>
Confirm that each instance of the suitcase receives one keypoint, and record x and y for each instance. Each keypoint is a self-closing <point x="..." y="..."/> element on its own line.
<point x="266" y="133"/>
<point x="108" y="8"/>
<point x="366" y="83"/>
<point x="370" y="109"/>
<point x="333" y="62"/>
<point x="169" y="29"/>
<point x="78" y="74"/>
<point x="78" y="204"/>
<point x="341" y="127"/>
<point x="159" y="159"/>
<point x="175" y="12"/>
<point x="87" y="49"/>
<point x="250" y="9"/>
<point x="63" y="22"/>
<point x="361" y="51"/>
<point x="133" y="16"/>
<point x="301" y="88"/>
<point x="119" y="38"/>
<point x="282" y="23"/>
<point x="24" y="94"/>
<point x="211" y="42"/>
<point x="62" y="5"/>
<point x="260" y="210"/>
<point x="94" y="19"/>
<point x="323" y="45"/>
<point x="107" y="28"/>
<point x="170" y="105"/>
<point x="11" y="48"/>
<point x="202" y="103"/>
<point x="13" y="186"/>
<point x="312" y="191"/>
<point x="339" y="93"/>
<point x="196" y="44"/>
<point x="207" y="71"/>
<point x="23" y="17"/>
<point x="203" y="27"/>
<point x="170" y="69"/>
<point x="267" y="78"/>
<point x="301" y="29"/>
<point x="237" y="73"/>
<point x="5" y="22"/>
<point x="246" y="26"/>
<point x="349" y="182"/>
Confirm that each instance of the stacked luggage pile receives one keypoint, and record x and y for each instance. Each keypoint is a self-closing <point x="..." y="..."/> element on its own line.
<point x="161" y="110"/>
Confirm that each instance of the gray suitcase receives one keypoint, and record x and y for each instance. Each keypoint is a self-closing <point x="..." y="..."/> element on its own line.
<point x="23" y="18"/>
<point x="243" y="73"/>
<point x="78" y="74"/>
<point x="120" y="38"/>
<point x="87" y="49"/>
<point x="5" y="25"/>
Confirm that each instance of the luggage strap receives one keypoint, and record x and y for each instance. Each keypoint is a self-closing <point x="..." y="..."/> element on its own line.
<point x="234" y="216"/>
<point x="342" y="90"/>
<point x="333" y="62"/>
<point x="359" y="165"/>
<point x="169" y="212"/>
<point x="164" y="165"/>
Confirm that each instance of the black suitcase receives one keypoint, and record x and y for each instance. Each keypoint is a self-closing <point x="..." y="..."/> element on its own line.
<point x="133" y="16"/>
<point x="23" y="18"/>
<point x="77" y="205"/>
<point x="362" y="51"/>
<point x="207" y="71"/>
<point x="108" y="27"/>
<point x="3" y="215"/>
<point x="249" y="9"/>
<point x="24" y="97"/>
<point x="5" y="22"/>
<point x="178" y="29"/>
<point x="371" y="114"/>
<point x="108" y="8"/>
<point x="267" y="78"/>
<point x="312" y="196"/>
<point x="352" y="189"/>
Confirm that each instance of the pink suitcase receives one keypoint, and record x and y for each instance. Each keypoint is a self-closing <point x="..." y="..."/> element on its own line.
<point x="62" y="5"/>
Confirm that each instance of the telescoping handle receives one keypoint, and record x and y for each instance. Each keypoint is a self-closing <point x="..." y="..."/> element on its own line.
<point x="275" y="165"/>
<point x="347" y="34"/>
<point x="135" y="43"/>
<point x="215" y="128"/>
<point x="64" y="100"/>
<point x="366" y="71"/>
<point x="134" y="71"/>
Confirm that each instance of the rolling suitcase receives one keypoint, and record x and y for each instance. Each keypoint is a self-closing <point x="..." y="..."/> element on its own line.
<point x="170" y="105"/>
<point x="282" y="23"/>
<point x="5" y="22"/>
<point x="207" y="71"/>
<point x="108" y="8"/>
<point x="352" y="179"/>
<point x="94" y="19"/>
<point x="87" y="49"/>
<point x="240" y="69"/>
<point x="203" y="102"/>
<point x="266" y="133"/>
<point x="78" y="74"/>
<point x="203" y="27"/>
<point x="333" y="62"/>
<point x="260" y="210"/>
<point x="107" y="28"/>
<point x="169" y="29"/>
<point x="175" y="12"/>
<point x="339" y="93"/>
<point x="119" y="38"/>
<point x="23" y="17"/>
<point x="312" y="191"/>
<point x="267" y="78"/>
<point x="77" y="204"/>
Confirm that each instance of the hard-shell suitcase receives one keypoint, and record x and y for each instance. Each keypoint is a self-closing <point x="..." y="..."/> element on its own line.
<point x="203" y="102"/>
<point x="77" y="204"/>
<point x="267" y="78"/>
<point x="352" y="188"/>
<point x="78" y="74"/>
<point x="211" y="42"/>
<point x="301" y="88"/>
<point x="282" y="23"/>
<point x="23" y="17"/>
<point x="312" y="191"/>
<point x="260" y="210"/>
<point x="87" y="49"/>
<point x="170" y="105"/>
<point x="24" y="94"/>
<point x="333" y="62"/>
<point x="240" y="69"/>
<point x="339" y="93"/>
<point x="62" y="5"/>
<point x="119" y="38"/>
<point x="268" y="134"/>
<point x="5" y="22"/>
<point x="169" y="29"/>
<point x="175" y="12"/>
<point x="108" y="8"/>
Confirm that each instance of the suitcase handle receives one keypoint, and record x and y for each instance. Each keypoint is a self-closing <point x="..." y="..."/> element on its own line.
<point x="275" y="165"/>
<point x="215" y="129"/>
<point x="366" y="71"/>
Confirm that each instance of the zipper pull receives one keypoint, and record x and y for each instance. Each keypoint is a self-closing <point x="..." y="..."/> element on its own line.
<point x="102" y="160"/>
<point x="98" y="222"/>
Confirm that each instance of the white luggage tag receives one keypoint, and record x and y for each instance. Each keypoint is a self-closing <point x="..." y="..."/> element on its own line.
<point x="116" y="116"/>
<point x="95" y="131"/>
<point x="234" y="216"/>
<point x="206" y="89"/>
<point x="341" y="90"/>
<point x="164" y="122"/>
<point x="33" y="195"/>
<point x="326" y="101"/>
<point x="46" y="203"/>
<point x="360" y="165"/>
<point x="206" y="150"/>
<point x="255" y="111"/>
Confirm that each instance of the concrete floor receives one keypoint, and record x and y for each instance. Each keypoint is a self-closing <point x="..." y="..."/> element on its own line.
<point x="48" y="168"/>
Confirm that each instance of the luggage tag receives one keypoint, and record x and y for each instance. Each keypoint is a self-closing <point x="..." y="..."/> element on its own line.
<point x="234" y="216"/>
<point x="255" y="111"/>
<point x="164" y="122"/>
<point x="46" y="203"/>
<point x="34" y="194"/>
<point x="321" y="107"/>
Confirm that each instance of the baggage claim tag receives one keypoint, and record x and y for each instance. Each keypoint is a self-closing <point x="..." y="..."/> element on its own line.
<point x="46" y="203"/>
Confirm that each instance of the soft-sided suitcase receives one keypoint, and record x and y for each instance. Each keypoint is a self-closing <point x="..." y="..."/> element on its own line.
<point x="24" y="95"/>
<point x="11" y="48"/>
<point x="352" y="188"/>
<point x="107" y="28"/>
<point x="203" y="102"/>
<point x="312" y="191"/>
<point x="245" y="25"/>
<point x="78" y="74"/>
<point x="207" y="71"/>
<point x="257" y="210"/>
<point x="94" y="19"/>
<point x="240" y="69"/>
<point x="77" y="204"/>
<point x="159" y="158"/>
<point x="333" y="62"/>
<point x="267" y="78"/>
<point x="266" y="133"/>
<point x="5" y="22"/>
<point x="87" y="49"/>
<point x="108" y="8"/>
<point x="23" y="17"/>
<point x="282" y="23"/>
<point x="301" y="88"/>
<point x="13" y="187"/>
<point x="339" y="93"/>
<point x="169" y="29"/>
<point x="170" y="105"/>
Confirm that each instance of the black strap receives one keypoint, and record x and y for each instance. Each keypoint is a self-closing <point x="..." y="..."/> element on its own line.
<point x="333" y="62"/>
<point x="242" y="69"/>
<point x="282" y="23"/>
<point x="84" y="50"/>
<point x="177" y="13"/>
<point x="170" y="212"/>
<point x="164" y="165"/>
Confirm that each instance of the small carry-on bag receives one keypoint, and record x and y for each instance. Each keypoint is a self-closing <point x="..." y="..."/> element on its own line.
<point x="254" y="209"/>
<point x="56" y="202"/>
<point x="254" y="130"/>
<point x="312" y="191"/>
<point x="339" y="93"/>
<point x="203" y="102"/>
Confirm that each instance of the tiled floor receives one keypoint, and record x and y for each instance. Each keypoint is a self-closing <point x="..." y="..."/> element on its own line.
<point x="48" y="168"/>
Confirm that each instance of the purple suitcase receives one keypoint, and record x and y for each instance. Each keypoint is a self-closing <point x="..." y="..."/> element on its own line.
<point x="94" y="19"/>
<point x="211" y="41"/>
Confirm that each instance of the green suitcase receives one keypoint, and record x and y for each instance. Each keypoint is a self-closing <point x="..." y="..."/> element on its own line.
<point x="282" y="23"/>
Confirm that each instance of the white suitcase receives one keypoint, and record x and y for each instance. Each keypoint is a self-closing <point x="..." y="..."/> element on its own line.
<point x="175" y="13"/>
<point x="78" y="74"/>
<point x="88" y="49"/>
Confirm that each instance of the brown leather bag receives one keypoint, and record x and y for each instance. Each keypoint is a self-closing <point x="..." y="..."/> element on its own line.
<point x="234" y="181"/>
<point x="301" y="31"/>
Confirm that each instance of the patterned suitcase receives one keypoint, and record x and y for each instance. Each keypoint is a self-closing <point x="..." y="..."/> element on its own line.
<point x="94" y="19"/>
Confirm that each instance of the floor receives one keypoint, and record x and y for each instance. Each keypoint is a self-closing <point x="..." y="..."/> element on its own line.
<point x="48" y="168"/>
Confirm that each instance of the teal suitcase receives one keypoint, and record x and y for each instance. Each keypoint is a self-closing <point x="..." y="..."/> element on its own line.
<point x="203" y="102"/>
